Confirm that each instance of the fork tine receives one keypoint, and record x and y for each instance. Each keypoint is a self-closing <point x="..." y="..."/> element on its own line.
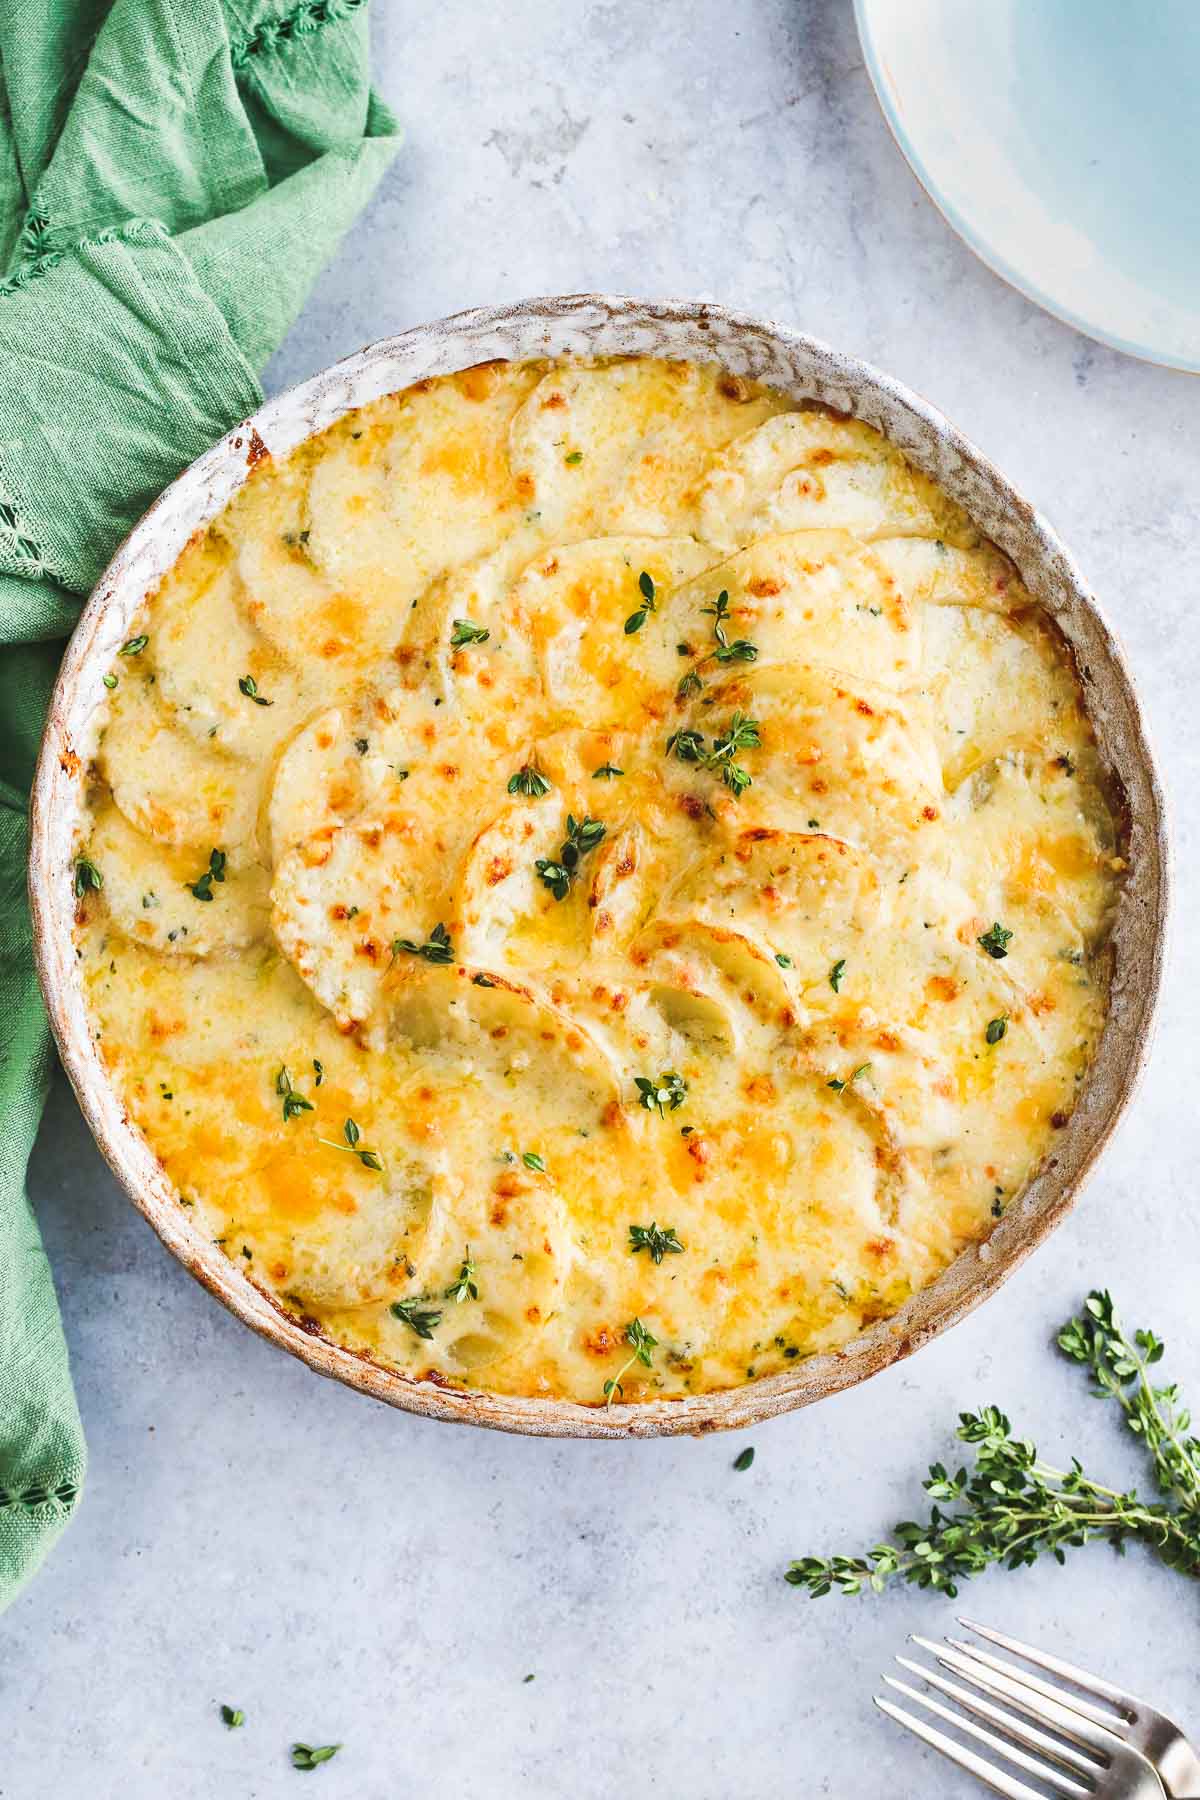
<point x="996" y="1779"/>
<point x="1048" y="1709"/>
<point x="1009" y="1752"/>
<point x="1019" y="1728"/>
<point x="1100" y="1715"/>
<point x="1092" y="1684"/>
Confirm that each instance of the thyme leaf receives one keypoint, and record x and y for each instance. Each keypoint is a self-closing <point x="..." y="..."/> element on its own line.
<point x="1013" y="1507"/>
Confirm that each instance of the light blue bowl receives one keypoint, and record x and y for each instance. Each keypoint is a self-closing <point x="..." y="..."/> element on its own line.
<point x="1061" y="139"/>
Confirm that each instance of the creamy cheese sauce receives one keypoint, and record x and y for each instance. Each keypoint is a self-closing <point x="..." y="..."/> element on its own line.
<point x="590" y="857"/>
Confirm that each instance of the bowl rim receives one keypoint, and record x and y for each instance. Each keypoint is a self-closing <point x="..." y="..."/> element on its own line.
<point x="601" y="324"/>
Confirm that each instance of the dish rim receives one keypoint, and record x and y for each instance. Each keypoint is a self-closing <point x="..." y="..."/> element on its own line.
<point x="600" y="324"/>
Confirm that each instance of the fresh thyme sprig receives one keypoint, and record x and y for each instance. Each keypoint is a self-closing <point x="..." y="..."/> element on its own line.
<point x="658" y="1243"/>
<point x="582" y="836"/>
<point x="741" y="650"/>
<point x="667" y="1093"/>
<point x="530" y="782"/>
<point x="293" y="1102"/>
<point x="249" y="687"/>
<point x="464" y="1286"/>
<point x="418" y="1318"/>
<point x="436" y="949"/>
<point x="1012" y="1507"/>
<point x="370" y="1159"/>
<point x="467" y="632"/>
<point x="643" y="1344"/>
<point x="740" y="734"/>
<point x="310" y="1756"/>
<point x="87" y="877"/>
<point x="637" y="619"/>
<point x="201" y="888"/>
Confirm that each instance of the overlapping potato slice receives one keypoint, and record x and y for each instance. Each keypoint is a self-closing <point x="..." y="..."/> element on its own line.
<point x="513" y="1227"/>
<point x="1032" y="845"/>
<point x="331" y="633"/>
<point x="149" y="891"/>
<point x="450" y="481"/>
<point x="359" y="753"/>
<point x="606" y="624"/>
<point x="527" y="1099"/>
<point x="163" y="781"/>
<point x="345" y="893"/>
<point x="806" y="596"/>
<point x="803" y="896"/>
<point x="833" y="754"/>
<point x="320" y="779"/>
<point x="340" y="901"/>
<point x="931" y="572"/>
<point x="993" y="682"/>
<point x="358" y="1230"/>
<point x="205" y="653"/>
<point x="801" y="471"/>
<point x="465" y="642"/>
<point x="621" y="447"/>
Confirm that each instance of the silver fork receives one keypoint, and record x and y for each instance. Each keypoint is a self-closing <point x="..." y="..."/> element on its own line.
<point x="1124" y="1750"/>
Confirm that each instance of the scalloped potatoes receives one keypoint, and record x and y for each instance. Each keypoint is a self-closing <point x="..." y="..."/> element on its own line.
<point x="597" y="880"/>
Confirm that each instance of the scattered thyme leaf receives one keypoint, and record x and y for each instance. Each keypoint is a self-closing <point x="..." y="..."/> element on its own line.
<point x="529" y="781"/>
<point x="573" y="458"/>
<point x="233" y="1716"/>
<point x="996" y="1029"/>
<point x="418" y="1318"/>
<point x="606" y="772"/>
<point x="658" y="1243"/>
<point x="837" y="974"/>
<point x="784" y="961"/>
<point x="533" y="1161"/>
<point x="643" y="1345"/>
<point x="87" y="876"/>
<point x="436" y="949"/>
<point x="582" y="837"/>
<point x="744" y="1458"/>
<point x="293" y="1102"/>
<point x="135" y="646"/>
<point x="637" y="619"/>
<point x="687" y="745"/>
<point x="742" y="650"/>
<point x="304" y="1756"/>
<point x="202" y="887"/>
<point x="995" y="941"/>
<point x="465" y="632"/>
<point x="370" y="1159"/>
<point x="464" y="1285"/>
<point x="109" y="680"/>
<point x="665" y="1095"/>
<point x="249" y="687"/>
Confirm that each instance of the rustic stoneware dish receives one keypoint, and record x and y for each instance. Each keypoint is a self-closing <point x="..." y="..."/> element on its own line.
<point x="800" y="366"/>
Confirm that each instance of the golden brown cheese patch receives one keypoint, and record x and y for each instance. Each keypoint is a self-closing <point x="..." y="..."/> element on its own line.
<point x="594" y="842"/>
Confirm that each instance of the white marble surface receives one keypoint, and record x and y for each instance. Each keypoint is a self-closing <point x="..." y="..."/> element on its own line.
<point x="344" y="1572"/>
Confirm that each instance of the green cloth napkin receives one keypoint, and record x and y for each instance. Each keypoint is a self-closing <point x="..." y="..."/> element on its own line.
<point x="173" y="174"/>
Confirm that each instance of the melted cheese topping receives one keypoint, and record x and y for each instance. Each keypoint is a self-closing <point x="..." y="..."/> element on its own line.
<point x="565" y="799"/>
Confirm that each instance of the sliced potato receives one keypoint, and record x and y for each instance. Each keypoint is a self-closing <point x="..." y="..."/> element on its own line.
<point x="809" y="596"/>
<point x="207" y="655"/>
<point x="622" y="446"/>
<point x="150" y="892"/>
<point x="805" y="471"/>
<point x="992" y="683"/>
<point x="604" y="622"/>
<point x="163" y="781"/>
